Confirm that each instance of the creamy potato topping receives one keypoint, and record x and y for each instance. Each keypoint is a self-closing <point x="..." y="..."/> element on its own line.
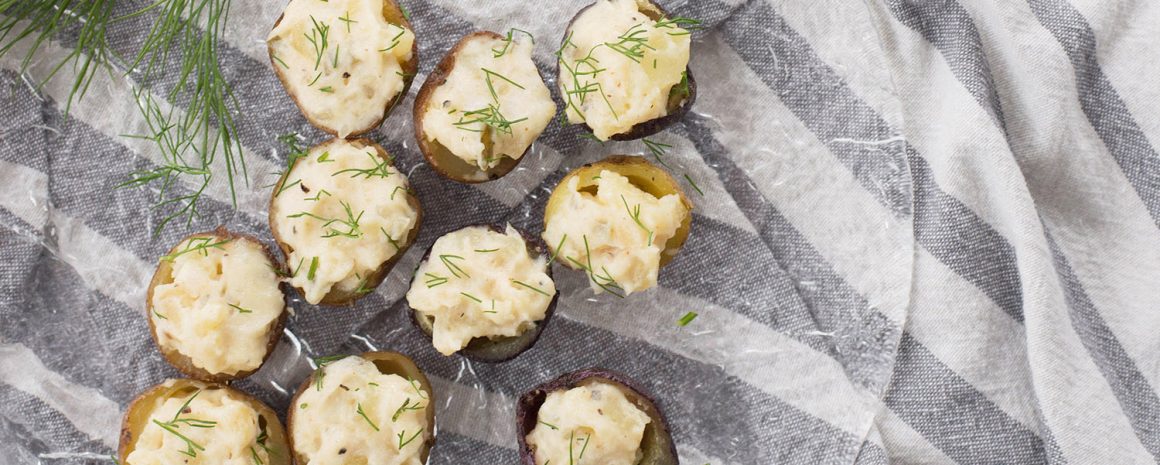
<point x="202" y="427"/>
<point x="594" y="423"/>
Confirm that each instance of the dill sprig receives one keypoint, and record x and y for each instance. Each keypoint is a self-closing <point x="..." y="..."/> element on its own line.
<point x="351" y="222"/>
<point x="363" y="414"/>
<point x="452" y="267"/>
<point x="321" y="363"/>
<point x="403" y="443"/>
<point x="434" y="280"/>
<point x="529" y="286"/>
<point x="687" y="24"/>
<point x="695" y="187"/>
<point x="189" y="143"/>
<point x="605" y="281"/>
<point x="571" y="441"/>
<point x="319" y="38"/>
<point x="43" y="19"/>
<point x="381" y="168"/>
<point x="542" y="422"/>
<point x="417" y="387"/>
<point x="198" y="244"/>
<point x="507" y="42"/>
<point x="174" y="424"/>
<point x="240" y="309"/>
<point x="632" y="43"/>
<point x="657" y="149"/>
<point x="469" y="296"/>
<point x="394" y="40"/>
<point x="490" y="116"/>
<point x="406" y="407"/>
<point x="634" y="213"/>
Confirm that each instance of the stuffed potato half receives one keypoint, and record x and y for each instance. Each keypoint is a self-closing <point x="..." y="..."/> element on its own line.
<point x="196" y="422"/>
<point x="377" y="407"/>
<point x="216" y="306"/>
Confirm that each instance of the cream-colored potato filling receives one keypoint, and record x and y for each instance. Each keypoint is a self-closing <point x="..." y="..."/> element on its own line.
<point x="480" y="283"/>
<point x="594" y="424"/>
<point x="341" y="60"/>
<point x="218" y="303"/>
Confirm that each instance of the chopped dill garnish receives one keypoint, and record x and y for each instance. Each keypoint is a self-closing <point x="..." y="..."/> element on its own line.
<point x="634" y="213"/>
<point x="559" y="250"/>
<point x="394" y="41"/>
<point x="542" y="422"/>
<point x="452" y="267"/>
<point x="279" y="60"/>
<point x="327" y="89"/>
<point x="485" y="250"/>
<point x="658" y="150"/>
<point x="434" y="280"/>
<point x="317" y="197"/>
<point x="197" y="244"/>
<point x="240" y="309"/>
<point x="508" y="42"/>
<point x="691" y="183"/>
<point x="406" y="407"/>
<point x="417" y="387"/>
<point x="363" y="414"/>
<point x="319" y="38"/>
<point x="403" y="443"/>
<point x="390" y="239"/>
<point x="313" y="268"/>
<point x="688" y="318"/>
<point x="490" y="116"/>
<point x="381" y="168"/>
<point x="469" y="296"/>
<point x="351" y="222"/>
<point x="529" y="286"/>
<point x="346" y="19"/>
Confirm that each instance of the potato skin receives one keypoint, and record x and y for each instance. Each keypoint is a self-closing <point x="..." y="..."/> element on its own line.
<point x="441" y="160"/>
<point x="180" y="361"/>
<point x="337" y="297"/>
<point x="657" y="444"/>
<point x="388" y="363"/>
<point x="392" y="14"/>
<point x="482" y="349"/>
<point x="676" y="110"/>
<point x="645" y="176"/>
<point x="137" y="414"/>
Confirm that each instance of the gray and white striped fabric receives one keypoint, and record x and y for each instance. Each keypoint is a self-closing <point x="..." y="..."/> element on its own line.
<point x="930" y="233"/>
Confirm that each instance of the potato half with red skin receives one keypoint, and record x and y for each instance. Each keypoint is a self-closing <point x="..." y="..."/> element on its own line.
<point x="336" y="296"/>
<point x="482" y="349"/>
<point x="179" y="360"/>
<point x="642" y="174"/>
<point x="391" y="363"/>
<point x="141" y="408"/>
<point x="442" y="160"/>
<point x="657" y="446"/>
<point x="681" y="98"/>
<point x="392" y="14"/>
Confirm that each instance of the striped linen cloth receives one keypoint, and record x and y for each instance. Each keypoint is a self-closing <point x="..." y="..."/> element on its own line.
<point x="930" y="233"/>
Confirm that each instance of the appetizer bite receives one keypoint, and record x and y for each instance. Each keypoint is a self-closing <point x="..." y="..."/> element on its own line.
<point x="345" y="63"/>
<point x="623" y="69"/>
<point x="619" y="220"/>
<point x="482" y="107"/>
<point x="215" y="305"/>
<point x="342" y="216"/>
<point x="374" y="408"/>
<point x="592" y="416"/>
<point x="483" y="291"/>
<point x="194" y="422"/>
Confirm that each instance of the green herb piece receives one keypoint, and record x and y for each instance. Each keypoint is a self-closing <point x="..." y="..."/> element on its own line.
<point x="197" y="244"/>
<point x="554" y="427"/>
<point x="691" y="183"/>
<point x="403" y="443"/>
<point x="319" y="39"/>
<point x="634" y="213"/>
<point x="380" y="168"/>
<point x="240" y="309"/>
<point x="346" y="19"/>
<point x="529" y="286"/>
<point x="469" y="296"/>
<point x="508" y="42"/>
<point x="313" y="268"/>
<point x="317" y="197"/>
<point x="406" y="407"/>
<point x="452" y="267"/>
<point x="688" y="318"/>
<point x="363" y="414"/>
<point x="658" y="150"/>
<point x="327" y="89"/>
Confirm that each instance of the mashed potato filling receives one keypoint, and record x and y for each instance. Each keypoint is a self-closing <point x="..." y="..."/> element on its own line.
<point x="616" y="235"/>
<point x="341" y="60"/>
<point x="353" y="413"/>
<point x="217" y="303"/>
<point x="595" y="423"/>
<point x="617" y="66"/>
<point x="212" y="429"/>
<point x="344" y="212"/>
<point x="480" y="283"/>
<point x="479" y="126"/>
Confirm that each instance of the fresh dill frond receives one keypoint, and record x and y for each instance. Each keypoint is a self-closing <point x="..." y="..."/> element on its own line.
<point x="41" y="20"/>
<point x="381" y="168"/>
<point x="403" y="443"/>
<point x="193" y="140"/>
<point x="634" y="213"/>
<point x="406" y="407"/>
<point x="490" y="116"/>
<point x="452" y="267"/>
<point x="507" y="42"/>
<point x="632" y="44"/>
<point x="657" y="149"/>
<point x="363" y="414"/>
<point x="434" y="280"/>
<point x="319" y="38"/>
<point x="529" y="286"/>
<point x="198" y="244"/>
